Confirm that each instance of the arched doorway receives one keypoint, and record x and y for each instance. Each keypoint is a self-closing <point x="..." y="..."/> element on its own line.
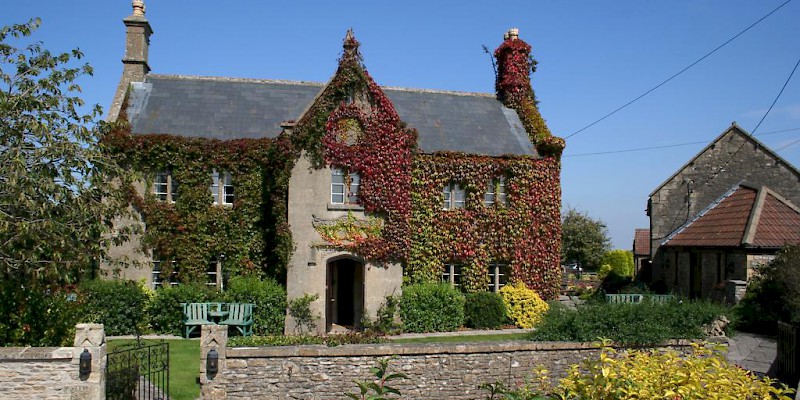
<point x="345" y="294"/>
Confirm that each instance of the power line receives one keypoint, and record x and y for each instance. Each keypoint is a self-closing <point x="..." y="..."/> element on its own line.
<point x="671" y="145"/>
<point x="778" y="96"/>
<point x="788" y="145"/>
<point x="678" y="73"/>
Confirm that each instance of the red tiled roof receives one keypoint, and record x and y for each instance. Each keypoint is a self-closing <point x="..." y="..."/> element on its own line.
<point x="641" y="242"/>
<point x="746" y="216"/>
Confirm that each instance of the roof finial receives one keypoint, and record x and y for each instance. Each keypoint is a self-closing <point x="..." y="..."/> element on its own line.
<point x="351" y="46"/>
<point x="138" y="8"/>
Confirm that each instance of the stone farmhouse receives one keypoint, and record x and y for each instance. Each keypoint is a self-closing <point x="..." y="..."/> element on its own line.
<point x="727" y="210"/>
<point x="342" y="190"/>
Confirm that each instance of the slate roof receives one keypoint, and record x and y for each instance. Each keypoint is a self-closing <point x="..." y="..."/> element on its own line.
<point x="746" y="216"/>
<point x="228" y="108"/>
<point x="641" y="242"/>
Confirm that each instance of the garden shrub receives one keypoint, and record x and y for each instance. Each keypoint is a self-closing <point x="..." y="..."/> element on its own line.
<point x="619" y="261"/>
<point x="703" y="373"/>
<point x="642" y="323"/>
<point x="523" y="306"/>
<point x="484" y="310"/>
<point x="387" y="321"/>
<point x="37" y="315"/>
<point x="773" y="294"/>
<point x="165" y="311"/>
<point x="269" y="297"/>
<point x="120" y="305"/>
<point x="294" y="340"/>
<point x="431" y="307"/>
<point x="305" y="321"/>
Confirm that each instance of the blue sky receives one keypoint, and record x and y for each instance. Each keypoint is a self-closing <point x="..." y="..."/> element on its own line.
<point x="593" y="57"/>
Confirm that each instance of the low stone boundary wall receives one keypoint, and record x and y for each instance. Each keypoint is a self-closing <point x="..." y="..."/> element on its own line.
<point x="435" y="371"/>
<point x="52" y="372"/>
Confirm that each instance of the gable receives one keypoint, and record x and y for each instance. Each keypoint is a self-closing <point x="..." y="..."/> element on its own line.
<point x="228" y="108"/>
<point x="734" y="129"/>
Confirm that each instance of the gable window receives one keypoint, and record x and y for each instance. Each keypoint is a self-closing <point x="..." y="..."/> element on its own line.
<point x="165" y="187"/>
<point x="222" y="188"/>
<point x="344" y="186"/>
<point x="451" y="273"/>
<point x="453" y="196"/>
<point x="496" y="192"/>
<point x="498" y="276"/>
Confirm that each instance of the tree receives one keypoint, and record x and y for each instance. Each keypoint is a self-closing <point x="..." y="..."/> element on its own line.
<point x="619" y="261"/>
<point x="583" y="239"/>
<point x="56" y="200"/>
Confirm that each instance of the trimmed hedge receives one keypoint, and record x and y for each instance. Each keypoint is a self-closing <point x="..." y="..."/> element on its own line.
<point x="117" y="304"/>
<point x="269" y="297"/>
<point x="484" y="310"/>
<point x="431" y="307"/>
<point x="642" y="323"/>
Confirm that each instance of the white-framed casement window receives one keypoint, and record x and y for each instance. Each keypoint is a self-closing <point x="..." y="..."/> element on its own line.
<point x="451" y="273"/>
<point x="165" y="187"/>
<point x="222" y="188"/>
<point x="160" y="277"/>
<point x="496" y="192"/>
<point x="214" y="273"/>
<point x="344" y="186"/>
<point x="453" y="196"/>
<point x="498" y="276"/>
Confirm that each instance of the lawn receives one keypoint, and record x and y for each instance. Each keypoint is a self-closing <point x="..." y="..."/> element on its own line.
<point x="184" y="366"/>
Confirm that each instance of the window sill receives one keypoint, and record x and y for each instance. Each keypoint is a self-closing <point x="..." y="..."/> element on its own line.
<point x="345" y="207"/>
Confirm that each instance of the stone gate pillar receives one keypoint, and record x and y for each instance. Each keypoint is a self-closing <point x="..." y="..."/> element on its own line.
<point x="213" y="337"/>
<point x="90" y="337"/>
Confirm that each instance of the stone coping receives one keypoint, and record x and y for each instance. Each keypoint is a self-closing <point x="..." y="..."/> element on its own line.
<point x="400" y="349"/>
<point x="35" y="353"/>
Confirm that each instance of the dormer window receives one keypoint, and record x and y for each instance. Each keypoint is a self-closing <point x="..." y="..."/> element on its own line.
<point x="496" y="192"/>
<point x="165" y="187"/>
<point x="222" y="188"/>
<point x="344" y="186"/>
<point x="453" y="196"/>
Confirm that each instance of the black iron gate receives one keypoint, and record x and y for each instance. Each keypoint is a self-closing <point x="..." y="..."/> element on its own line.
<point x="138" y="371"/>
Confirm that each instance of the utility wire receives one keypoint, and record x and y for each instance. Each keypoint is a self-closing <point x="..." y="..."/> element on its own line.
<point x="787" y="146"/>
<point x="678" y="73"/>
<point x="666" y="146"/>
<point x="778" y="96"/>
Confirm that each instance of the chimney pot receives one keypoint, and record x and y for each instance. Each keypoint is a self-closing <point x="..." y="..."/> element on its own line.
<point x="513" y="33"/>
<point x="138" y="8"/>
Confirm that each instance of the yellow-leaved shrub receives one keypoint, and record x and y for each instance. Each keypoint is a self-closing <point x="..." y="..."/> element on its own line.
<point x="665" y="374"/>
<point x="523" y="305"/>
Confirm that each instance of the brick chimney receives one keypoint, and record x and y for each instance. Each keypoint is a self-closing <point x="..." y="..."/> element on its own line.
<point x="135" y="67"/>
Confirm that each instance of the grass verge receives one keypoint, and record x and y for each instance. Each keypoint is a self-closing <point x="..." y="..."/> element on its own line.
<point x="184" y="366"/>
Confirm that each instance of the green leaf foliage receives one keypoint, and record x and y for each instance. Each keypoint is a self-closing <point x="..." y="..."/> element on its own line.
<point x="269" y="298"/>
<point x="431" y="307"/>
<point x="119" y="305"/>
<point x="484" y="310"/>
<point x="584" y="240"/>
<point x="36" y="315"/>
<point x="619" y="261"/>
<point x="647" y="322"/>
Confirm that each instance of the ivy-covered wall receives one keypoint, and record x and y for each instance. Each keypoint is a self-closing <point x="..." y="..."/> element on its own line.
<point x="352" y="125"/>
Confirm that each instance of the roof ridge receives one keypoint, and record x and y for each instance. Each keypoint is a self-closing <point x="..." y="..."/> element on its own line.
<point x="234" y="79"/>
<point x="438" y="91"/>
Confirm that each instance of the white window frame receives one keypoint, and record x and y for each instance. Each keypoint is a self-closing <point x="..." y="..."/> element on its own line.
<point x="498" y="276"/>
<point x="496" y="192"/>
<point x="346" y="191"/>
<point x="214" y="273"/>
<point x="156" y="274"/>
<point x="451" y="273"/>
<point x="450" y="196"/>
<point x="165" y="186"/>
<point x="222" y="188"/>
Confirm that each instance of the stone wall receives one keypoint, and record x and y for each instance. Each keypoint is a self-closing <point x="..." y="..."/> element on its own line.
<point x="435" y="371"/>
<point x="52" y="372"/>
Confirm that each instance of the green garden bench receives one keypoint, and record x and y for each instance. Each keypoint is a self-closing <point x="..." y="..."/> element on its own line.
<point x="194" y="315"/>
<point x="624" y="298"/>
<point x="240" y="316"/>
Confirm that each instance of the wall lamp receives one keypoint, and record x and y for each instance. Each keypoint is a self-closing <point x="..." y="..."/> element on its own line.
<point x="212" y="361"/>
<point x="85" y="364"/>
